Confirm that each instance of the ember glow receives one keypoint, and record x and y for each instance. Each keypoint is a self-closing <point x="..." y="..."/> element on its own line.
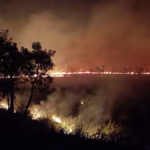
<point x="4" y="105"/>
<point x="69" y="124"/>
<point x="56" y="119"/>
<point x="35" y="113"/>
<point x="62" y="74"/>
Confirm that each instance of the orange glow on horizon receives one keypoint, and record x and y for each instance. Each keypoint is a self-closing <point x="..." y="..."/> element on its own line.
<point x="62" y="74"/>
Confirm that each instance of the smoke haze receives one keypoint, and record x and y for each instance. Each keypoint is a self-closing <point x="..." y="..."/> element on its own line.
<point x="83" y="33"/>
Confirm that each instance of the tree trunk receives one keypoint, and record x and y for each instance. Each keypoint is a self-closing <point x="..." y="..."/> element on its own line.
<point x="31" y="95"/>
<point x="8" y="100"/>
<point x="32" y="90"/>
<point x="12" y="95"/>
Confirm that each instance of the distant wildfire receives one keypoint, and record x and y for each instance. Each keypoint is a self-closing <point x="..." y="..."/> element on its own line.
<point x="62" y="74"/>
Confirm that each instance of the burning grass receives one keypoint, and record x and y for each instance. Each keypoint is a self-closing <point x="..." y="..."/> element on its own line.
<point x="70" y="125"/>
<point x="110" y="130"/>
<point x="3" y="104"/>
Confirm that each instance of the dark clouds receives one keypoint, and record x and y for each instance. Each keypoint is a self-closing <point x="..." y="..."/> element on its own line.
<point x="84" y="33"/>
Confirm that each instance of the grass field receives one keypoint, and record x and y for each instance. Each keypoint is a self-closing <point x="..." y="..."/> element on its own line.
<point x="113" y="109"/>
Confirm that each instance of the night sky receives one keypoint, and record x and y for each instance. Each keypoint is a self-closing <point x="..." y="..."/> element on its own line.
<point x="84" y="33"/>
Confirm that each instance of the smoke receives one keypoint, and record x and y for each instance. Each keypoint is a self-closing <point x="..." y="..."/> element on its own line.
<point x="88" y="109"/>
<point x="84" y="34"/>
<point x="87" y="105"/>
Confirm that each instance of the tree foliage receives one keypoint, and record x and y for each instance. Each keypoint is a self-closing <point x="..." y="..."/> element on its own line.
<point x="40" y="63"/>
<point x="23" y="65"/>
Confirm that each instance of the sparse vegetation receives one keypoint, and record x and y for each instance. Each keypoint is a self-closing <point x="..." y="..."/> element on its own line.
<point x="90" y="110"/>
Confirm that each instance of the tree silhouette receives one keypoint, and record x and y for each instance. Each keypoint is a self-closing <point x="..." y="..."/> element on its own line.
<point x="10" y="64"/>
<point x="98" y="69"/>
<point x="40" y="63"/>
<point x="103" y="67"/>
<point x="22" y="65"/>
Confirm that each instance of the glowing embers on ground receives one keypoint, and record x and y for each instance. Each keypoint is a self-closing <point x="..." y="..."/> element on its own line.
<point x="35" y="113"/>
<point x="3" y="104"/>
<point x="71" y="125"/>
<point x="68" y="124"/>
<point x="56" y="119"/>
<point x="59" y="122"/>
<point x="82" y="102"/>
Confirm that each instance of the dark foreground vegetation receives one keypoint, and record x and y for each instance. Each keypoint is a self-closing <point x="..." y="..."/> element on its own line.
<point x="126" y="99"/>
<point x="32" y="134"/>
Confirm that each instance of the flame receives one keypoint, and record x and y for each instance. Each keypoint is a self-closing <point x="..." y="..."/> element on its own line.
<point x="56" y="119"/>
<point x="69" y="124"/>
<point x="62" y="74"/>
<point x="35" y="113"/>
<point x="82" y="102"/>
<point x="4" y="105"/>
